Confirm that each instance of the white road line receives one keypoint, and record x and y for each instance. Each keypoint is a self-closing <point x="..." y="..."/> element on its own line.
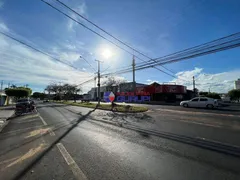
<point x="71" y="163"/>
<point x="44" y="122"/>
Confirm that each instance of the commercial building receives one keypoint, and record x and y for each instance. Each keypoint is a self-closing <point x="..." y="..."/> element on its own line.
<point x="157" y="92"/>
<point x="164" y="92"/>
<point x="237" y="84"/>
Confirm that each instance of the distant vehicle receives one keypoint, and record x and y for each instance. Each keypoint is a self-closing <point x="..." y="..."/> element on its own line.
<point x="45" y="100"/>
<point x="24" y="105"/>
<point x="23" y="100"/>
<point x="203" y="102"/>
<point x="86" y="98"/>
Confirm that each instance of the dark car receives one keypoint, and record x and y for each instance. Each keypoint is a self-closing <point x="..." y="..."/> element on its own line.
<point x="45" y="100"/>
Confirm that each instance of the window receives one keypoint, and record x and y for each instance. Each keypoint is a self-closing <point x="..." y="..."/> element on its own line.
<point x="203" y="99"/>
<point x="195" y="99"/>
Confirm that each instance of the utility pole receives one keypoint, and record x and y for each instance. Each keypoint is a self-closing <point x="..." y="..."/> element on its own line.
<point x="133" y="68"/>
<point x="99" y="94"/>
<point x="193" y="84"/>
<point x="95" y="90"/>
<point x="1" y="85"/>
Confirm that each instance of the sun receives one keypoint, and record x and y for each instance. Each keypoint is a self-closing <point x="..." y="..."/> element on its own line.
<point x="107" y="53"/>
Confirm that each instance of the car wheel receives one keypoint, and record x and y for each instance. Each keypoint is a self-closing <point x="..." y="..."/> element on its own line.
<point x="185" y="105"/>
<point x="210" y="106"/>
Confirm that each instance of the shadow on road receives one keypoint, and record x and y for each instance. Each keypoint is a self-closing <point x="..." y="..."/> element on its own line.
<point x="40" y="156"/>
<point x="147" y="143"/>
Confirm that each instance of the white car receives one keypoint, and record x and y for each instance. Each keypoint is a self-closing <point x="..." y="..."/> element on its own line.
<point x="203" y="102"/>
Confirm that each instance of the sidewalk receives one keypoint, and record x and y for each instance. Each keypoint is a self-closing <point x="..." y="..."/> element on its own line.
<point x="5" y="113"/>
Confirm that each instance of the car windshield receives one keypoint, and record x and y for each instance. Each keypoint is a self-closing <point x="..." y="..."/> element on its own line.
<point x="120" y="89"/>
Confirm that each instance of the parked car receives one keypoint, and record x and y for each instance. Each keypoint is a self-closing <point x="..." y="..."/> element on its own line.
<point x="203" y="102"/>
<point x="86" y="98"/>
<point x="45" y="100"/>
<point x="24" y="105"/>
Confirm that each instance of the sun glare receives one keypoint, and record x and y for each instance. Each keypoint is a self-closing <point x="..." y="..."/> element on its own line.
<point x="107" y="53"/>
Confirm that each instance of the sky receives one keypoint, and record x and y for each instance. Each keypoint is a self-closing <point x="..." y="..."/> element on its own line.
<point x="154" y="27"/>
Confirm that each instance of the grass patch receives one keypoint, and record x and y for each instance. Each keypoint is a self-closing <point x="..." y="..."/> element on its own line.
<point x="118" y="108"/>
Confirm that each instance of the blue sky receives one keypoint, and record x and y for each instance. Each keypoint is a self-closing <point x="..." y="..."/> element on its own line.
<point x="154" y="27"/>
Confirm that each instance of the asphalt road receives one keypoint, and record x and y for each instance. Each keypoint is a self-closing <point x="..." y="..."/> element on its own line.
<point x="66" y="142"/>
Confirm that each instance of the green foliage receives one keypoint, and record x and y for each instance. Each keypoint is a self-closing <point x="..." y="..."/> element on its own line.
<point x="234" y="94"/>
<point x="210" y="95"/>
<point x="38" y="95"/>
<point x="65" y="91"/>
<point x="18" y="92"/>
<point x="213" y="95"/>
<point x="203" y="93"/>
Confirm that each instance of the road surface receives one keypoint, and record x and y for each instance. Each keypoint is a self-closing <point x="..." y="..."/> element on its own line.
<point x="66" y="142"/>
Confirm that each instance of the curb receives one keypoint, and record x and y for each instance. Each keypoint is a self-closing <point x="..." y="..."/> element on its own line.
<point x="6" y="121"/>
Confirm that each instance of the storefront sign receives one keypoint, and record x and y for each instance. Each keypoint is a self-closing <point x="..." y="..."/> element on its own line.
<point x="109" y="96"/>
<point x="128" y="97"/>
<point x="133" y="98"/>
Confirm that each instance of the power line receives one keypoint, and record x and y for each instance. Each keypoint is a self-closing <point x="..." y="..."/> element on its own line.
<point x="94" y="70"/>
<point x="29" y="46"/>
<point x="87" y="27"/>
<point x="191" y="56"/>
<point x="98" y="33"/>
<point x="196" y="49"/>
<point x="102" y="29"/>
<point x="210" y="49"/>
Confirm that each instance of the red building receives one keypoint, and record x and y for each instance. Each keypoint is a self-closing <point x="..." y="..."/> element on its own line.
<point x="164" y="92"/>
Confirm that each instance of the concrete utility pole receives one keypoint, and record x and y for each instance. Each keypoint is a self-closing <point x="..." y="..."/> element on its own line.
<point x="133" y="67"/>
<point x="99" y="94"/>
<point x="193" y="84"/>
<point x="95" y="90"/>
<point x="1" y="85"/>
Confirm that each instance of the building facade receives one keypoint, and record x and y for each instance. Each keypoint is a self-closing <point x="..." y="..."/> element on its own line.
<point x="157" y="92"/>
<point x="164" y="92"/>
<point x="237" y="84"/>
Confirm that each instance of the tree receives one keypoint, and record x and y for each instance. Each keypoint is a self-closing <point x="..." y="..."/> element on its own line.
<point x="18" y="92"/>
<point x="213" y="95"/>
<point x="70" y="90"/>
<point x="203" y="93"/>
<point x="111" y="81"/>
<point x="38" y="95"/>
<point x="234" y="94"/>
<point x="65" y="91"/>
<point x="210" y="95"/>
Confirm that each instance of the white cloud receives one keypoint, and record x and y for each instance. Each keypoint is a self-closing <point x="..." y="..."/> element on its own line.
<point x="69" y="56"/>
<point x="22" y="65"/>
<point x="3" y="27"/>
<point x="218" y="82"/>
<point x="149" y="81"/>
<point x="81" y="9"/>
<point x="1" y="3"/>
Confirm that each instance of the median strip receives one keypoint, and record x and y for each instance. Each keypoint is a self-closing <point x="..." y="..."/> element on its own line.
<point x="107" y="107"/>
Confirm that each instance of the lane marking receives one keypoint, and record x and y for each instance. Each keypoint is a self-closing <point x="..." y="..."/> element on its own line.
<point x="44" y="122"/>
<point x="8" y="160"/>
<point x="31" y="152"/>
<point x="71" y="163"/>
